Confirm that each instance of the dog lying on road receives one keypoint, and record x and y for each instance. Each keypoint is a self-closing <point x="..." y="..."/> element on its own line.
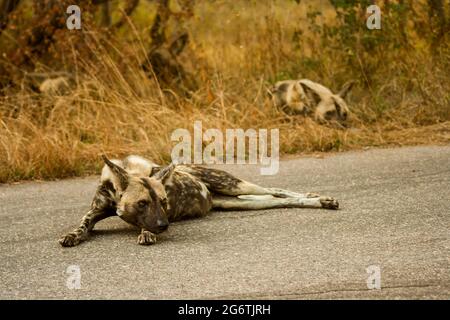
<point x="149" y="197"/>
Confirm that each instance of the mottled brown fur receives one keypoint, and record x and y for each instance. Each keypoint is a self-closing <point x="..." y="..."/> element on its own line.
<point x="310" y="98"/>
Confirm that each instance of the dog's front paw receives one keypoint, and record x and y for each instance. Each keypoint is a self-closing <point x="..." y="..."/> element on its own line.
<point x="329" y="203"/>
<point x="146" y="238"/>
<point x="69" y="240"/>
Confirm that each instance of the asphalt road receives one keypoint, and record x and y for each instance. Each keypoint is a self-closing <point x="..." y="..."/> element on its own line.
<point x="395" y="216"/>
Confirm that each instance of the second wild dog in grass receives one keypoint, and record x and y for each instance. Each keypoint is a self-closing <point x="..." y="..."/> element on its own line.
<point x="147" y="196"/>
<point x="310" y="98"/>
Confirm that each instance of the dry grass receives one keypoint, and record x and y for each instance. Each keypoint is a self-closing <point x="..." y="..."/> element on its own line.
<point x="116" y="109"/>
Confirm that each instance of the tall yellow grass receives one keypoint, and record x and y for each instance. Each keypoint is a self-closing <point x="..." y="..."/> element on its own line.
<point x="115" y="108"/>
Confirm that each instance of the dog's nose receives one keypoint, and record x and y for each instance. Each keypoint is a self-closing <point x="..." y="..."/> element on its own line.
<point x="162" y="224"/>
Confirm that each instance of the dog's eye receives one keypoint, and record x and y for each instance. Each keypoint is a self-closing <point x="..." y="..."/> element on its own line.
<point x="142" y="204"/>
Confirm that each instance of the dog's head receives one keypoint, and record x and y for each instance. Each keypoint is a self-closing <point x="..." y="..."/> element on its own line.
<point x="328" y="105"/>
<point x="289" y="96"/>
<point x="141" y="201"/>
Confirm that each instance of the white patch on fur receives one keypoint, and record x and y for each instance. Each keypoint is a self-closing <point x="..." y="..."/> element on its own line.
<point x="107" y="174"/>
<point x="310" y="202"/>
<point x="138" y="166"/>
<point x="321" y="90"/>
<point x="256" y="197"/>
<point x="204" y="191"/>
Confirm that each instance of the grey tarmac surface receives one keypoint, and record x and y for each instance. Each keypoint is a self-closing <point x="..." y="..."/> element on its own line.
<point x="395" y="214"/>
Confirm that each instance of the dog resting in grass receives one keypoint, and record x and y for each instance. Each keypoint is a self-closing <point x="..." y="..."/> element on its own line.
<point x="310" y="98"/>
<point x="149" y="196"/>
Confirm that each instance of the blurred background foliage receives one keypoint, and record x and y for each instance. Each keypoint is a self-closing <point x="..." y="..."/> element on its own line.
<point x="138" y="69"/>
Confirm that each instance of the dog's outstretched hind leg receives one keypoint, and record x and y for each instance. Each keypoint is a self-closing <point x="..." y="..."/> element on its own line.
<point x="282" y="193"/>
<point x="223" y="183"/>
<point x="259" y="202"/>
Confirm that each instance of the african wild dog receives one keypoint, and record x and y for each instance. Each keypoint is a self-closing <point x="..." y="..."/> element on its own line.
<point x="149" y="197"/>
<point x="308" y="97"/>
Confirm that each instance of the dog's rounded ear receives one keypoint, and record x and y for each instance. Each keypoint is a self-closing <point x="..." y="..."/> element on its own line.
<point x="154" y="171"/>
<point x="178" y="44"/>
<point x="346" y="89"/>
<point x="118" y="172"/>
<point x="164" y="174"/>
<point x="310" y="92"/>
